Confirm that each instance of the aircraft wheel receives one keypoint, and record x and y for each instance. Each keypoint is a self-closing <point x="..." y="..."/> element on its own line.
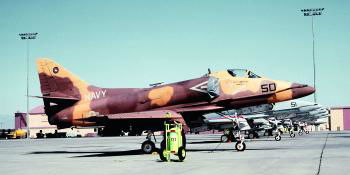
<point x="182" y="153"/>
<point x="292" y="135"/>
<point x="224" y="138"/>
<point x="148" y="147"/>
<point x="251" y="136"/>
<point x="307" y="132"/>
<point x="240" y="146"/>
<point x="300" y="133"/>
<point x="278" y="138"/>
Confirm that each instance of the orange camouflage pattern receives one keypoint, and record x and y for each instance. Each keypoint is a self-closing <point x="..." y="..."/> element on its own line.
<point x="70" y="101"/>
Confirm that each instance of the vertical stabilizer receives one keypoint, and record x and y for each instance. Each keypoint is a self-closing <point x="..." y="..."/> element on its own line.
<point x="56" y="81"/>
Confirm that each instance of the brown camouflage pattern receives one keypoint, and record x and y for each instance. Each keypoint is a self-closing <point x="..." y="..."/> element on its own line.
<point x="70" y="101"/>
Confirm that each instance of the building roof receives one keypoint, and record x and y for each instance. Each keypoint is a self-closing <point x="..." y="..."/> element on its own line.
<point x="37" y="110"/>
<point x="340" y="107"/>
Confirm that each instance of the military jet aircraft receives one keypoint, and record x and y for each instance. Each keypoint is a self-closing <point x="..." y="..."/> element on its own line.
<point x="296" y="114"/>
<point x="286" y="112"/>
<point x="70" y="101"/>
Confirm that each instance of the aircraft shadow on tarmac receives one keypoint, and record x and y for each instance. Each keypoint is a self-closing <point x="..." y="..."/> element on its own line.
<point x="133" y="152"/>
<point x="216" y="141"/>
<point x="233" y="150"/>
<point x="94" y="153"/>
<point x="204" y="142"/>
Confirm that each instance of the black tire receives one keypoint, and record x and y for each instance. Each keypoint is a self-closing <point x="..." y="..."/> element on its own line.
<point x="161" y="154"/>
<point x="251" y="135"/>
<point x="278" y="138"/>
<point x="300" y="133"/>
<point x="182" y="153"/>
<point x="224" y="138"/>
<point x="183" y="138"/>
<point x="292" y="135"/>
<point x="148" y="147"/>
<point x="240" y="146"/>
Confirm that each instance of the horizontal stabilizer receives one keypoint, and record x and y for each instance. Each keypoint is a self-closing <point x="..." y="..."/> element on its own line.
<point x="60" y="98"/>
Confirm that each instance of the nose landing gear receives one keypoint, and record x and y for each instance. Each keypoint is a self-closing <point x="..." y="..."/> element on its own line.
<point x="240" y="145"/>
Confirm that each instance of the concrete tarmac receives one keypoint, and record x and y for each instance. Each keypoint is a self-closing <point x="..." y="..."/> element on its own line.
<point x="121" y="155"/>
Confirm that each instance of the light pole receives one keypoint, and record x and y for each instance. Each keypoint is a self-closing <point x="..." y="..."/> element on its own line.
<point x="313" y="12"/>
<point x="28" y="36"/>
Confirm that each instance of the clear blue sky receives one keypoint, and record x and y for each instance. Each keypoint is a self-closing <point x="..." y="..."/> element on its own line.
<point x="135" y="43"/>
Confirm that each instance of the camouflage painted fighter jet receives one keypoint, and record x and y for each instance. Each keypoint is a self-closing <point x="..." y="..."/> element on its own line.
<point x="70" y="101"/>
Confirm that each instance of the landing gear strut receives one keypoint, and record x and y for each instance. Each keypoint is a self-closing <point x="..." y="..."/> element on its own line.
<point x="240" y="145"/>
<point x="148" y="146"/>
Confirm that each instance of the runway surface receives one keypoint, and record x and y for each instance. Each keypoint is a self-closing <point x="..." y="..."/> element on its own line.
<point x="121" y="155"/>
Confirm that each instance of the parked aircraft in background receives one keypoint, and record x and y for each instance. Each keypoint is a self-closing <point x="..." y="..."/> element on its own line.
<point x="290" y="114"/>
<point x="70" y="101"/>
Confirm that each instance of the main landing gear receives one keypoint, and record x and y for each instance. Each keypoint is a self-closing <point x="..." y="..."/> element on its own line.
<point x="228" y="136"/>
<point x="291" y="134"/>
<point x="224" y="138"/>
<point x="300" y="132"/>
<point x="278" y="136"/>
<point x="149" y="146"/>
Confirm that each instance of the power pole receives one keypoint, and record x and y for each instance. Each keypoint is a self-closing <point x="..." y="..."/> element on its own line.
<point x="313" y="12"/>
<point x="28" y="36"/>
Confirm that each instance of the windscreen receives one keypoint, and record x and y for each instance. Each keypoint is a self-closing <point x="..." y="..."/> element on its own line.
<point x="243" y="73"/>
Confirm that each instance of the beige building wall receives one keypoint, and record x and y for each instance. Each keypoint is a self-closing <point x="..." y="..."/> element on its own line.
<point x="336" y="120"/>
<point x="321" y="127"/>
<point x="39" y="121"/>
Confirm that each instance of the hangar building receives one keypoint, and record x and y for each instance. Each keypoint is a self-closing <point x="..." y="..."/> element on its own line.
<point x="339" y="119"/>
<point x="38" y="122"/>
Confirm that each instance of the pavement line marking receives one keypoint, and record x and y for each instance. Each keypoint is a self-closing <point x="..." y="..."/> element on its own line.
<point x="319" y="164"/>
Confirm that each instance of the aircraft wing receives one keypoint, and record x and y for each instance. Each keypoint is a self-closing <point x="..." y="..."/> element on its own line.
<point x="204" y="107"/>
<point x="198" y="109"/>
<point x="145" y="116"/>
<point x="161" y="114"/>
<point x="283" y="111"/>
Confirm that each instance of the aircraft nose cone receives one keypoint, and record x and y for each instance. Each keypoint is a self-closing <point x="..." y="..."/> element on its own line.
<point x="302" y="90"/>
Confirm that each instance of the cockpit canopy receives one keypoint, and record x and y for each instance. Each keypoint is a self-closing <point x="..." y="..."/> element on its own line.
<point x="243" y="73"/>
